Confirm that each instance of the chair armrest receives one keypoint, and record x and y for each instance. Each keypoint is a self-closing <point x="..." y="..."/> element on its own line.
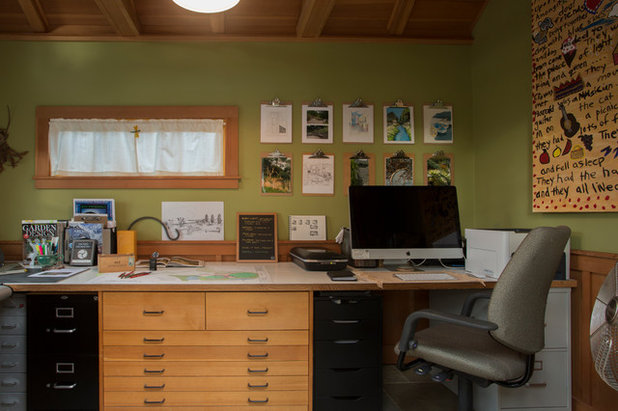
<point x="409" y="328"/>
<point x="471" y="300"/>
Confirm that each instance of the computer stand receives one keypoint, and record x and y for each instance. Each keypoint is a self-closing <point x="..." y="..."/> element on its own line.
<point x="407" y="267"/>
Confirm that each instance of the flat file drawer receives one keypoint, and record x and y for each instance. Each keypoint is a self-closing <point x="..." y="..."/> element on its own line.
<point x="203" y="399"/>
<point x="218" y="383"/>
<point x="153" y="311"/>
<point x="338" y="329"/>
<point x="347" y="306"/>
<point x="548" y="386"/>
<point x="204" y="368"/>
<point x="347" y="353"/>
<point x="12" y="363"/>
<point x="186" y="338"/>
<point x="12" y="402"/>
<point x="15" y="382"/>
<point x="257" y="311"/>
<point x="348" y="382"/>
<point x="14" y="306"/>
<point x="12" y="324"/>
<point x="12" y="344"/>
<point x="205" y="353"/>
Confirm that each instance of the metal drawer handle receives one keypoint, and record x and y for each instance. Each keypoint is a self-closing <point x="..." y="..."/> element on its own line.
<point x="345" y="321"/>
<point x="346" y="341"/>
<point x="154" y="402"/>
<point x="147" y="371"/>
<point x="60" y="386"/>
<point x="154" y="355"/>
<point x="259" y="370"/>
<point x="8" y="326"/>
<point x="6" y="383"/>
<point x="61" y="331"/>
<point x="257" y="355"/>
<point x="8" y="404"/>
<point x="154" y="387"/>
<point x="257" y="340"/>
<point x="251" y="312"/>
<point x="341" y="301"/>
<point x="257" y="385"/>
<point x="154" y="340"/>
<point x="154" y="312"/>
<point x="7" y="364"/>
<point x="537" y="385"/>
<point x="257" y="401"/>
<point x="8" y="345"/>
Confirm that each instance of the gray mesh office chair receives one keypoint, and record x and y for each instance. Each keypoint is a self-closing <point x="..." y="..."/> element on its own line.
<point x="500" y="350"/>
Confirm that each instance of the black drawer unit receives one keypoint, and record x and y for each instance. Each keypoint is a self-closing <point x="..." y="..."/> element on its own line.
<point x="347" y="351"/>
<point x="62" y="352"/>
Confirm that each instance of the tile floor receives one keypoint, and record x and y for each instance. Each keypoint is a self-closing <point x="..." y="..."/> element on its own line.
<point x="406" y="391"/>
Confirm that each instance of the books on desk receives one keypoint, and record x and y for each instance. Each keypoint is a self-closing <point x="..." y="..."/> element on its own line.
<point x="175" y="261"/>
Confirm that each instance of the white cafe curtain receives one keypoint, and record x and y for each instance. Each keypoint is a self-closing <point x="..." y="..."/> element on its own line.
<point x="145" y="147"/>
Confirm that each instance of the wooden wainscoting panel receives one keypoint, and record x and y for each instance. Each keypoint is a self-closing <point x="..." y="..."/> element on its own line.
<point x="589" y="391"/>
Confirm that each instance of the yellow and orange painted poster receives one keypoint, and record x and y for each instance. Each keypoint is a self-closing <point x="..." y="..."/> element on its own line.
<point x="574" y="105"/>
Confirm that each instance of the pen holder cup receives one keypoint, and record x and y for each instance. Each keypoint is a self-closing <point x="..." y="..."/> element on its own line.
<point x="46" y="260"/>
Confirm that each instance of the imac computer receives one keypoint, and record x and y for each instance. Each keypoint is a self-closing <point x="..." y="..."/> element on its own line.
<point x="395" y="223"/>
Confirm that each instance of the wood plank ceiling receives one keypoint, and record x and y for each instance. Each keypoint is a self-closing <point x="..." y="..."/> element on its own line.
<point x="425" y="21"/>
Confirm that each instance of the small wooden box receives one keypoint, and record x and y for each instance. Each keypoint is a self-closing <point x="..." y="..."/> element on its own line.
<point x="109" y="263"/>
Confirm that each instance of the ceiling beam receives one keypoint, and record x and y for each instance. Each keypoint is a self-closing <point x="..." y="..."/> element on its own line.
<point x="313" y="16"/>
<point x="121" y="15"/>
<point x="34" y="14"/>
<point x="217" y="23"/>
<point x="400" y="16"/>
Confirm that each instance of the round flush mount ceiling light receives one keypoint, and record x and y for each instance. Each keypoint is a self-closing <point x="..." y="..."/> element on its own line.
<point x="207" y="6"/>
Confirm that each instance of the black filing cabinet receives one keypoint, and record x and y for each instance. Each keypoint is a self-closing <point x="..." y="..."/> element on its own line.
<point x="63" y="361"/>
<point x="347" y="351"/>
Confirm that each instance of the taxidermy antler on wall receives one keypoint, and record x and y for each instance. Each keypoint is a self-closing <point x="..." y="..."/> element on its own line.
<point x="7" y="154"/>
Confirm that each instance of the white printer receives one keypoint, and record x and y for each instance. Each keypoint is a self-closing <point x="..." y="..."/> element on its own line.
<point x="488" y="251"/>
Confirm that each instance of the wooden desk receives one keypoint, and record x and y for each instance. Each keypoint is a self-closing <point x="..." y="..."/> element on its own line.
<point x="199" y="331"/>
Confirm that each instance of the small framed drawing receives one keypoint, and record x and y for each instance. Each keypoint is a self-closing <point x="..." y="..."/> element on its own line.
<point x="194" y="220"/>
<point x="106" y="206"/>
<point x="398" y="169"/>
<point x="438" y="123"/>
<point x="399" y="124"/>
<point x="275" y="122"/>
<point x="318" y="174"/>
<point x="307" y="227"/>
<point x="438" y="169"/>
<point x="317" y="124"/>
<point x="359" y="170"/>
<point x="357" y="123"/>
<point x="276" y="174"/>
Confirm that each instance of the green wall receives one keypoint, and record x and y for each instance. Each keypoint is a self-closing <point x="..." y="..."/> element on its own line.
<point x="501" y="67"/>
<point x="488" y="83"/>
<point x="229" y="73"/>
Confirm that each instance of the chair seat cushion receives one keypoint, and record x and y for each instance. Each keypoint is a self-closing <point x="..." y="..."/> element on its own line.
<point x="469" y="350"/>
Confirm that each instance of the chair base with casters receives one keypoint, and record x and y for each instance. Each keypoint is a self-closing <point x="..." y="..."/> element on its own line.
<point x="501" y="349"/>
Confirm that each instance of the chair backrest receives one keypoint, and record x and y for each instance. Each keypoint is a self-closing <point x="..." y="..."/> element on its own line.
<point x="518" y="301"/>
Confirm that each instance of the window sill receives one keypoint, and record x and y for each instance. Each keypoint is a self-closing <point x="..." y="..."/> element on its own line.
<point x="137" y="182"/>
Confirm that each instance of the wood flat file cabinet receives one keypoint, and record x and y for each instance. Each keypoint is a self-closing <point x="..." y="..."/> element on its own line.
<point x="170" y="350"/>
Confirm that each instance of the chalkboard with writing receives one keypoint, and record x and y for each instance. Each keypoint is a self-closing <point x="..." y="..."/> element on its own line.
<point x="574" y="106"/>
<point x="256" y="237"/>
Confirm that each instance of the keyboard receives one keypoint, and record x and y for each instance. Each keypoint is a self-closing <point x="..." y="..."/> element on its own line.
<point x="425" y="277"/>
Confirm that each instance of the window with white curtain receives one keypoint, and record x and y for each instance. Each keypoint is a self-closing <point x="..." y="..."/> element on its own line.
<point x="137" y="147"/>
<point x="190" y="147"/>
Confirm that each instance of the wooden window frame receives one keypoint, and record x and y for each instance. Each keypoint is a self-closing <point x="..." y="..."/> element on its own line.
<point x="42" y="169"/>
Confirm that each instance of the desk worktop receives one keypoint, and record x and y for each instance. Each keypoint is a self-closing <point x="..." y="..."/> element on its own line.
<point x="285" y="276"/>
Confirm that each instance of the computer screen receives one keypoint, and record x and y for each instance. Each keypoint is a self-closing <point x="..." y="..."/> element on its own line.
<point x="404" y="222"/>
